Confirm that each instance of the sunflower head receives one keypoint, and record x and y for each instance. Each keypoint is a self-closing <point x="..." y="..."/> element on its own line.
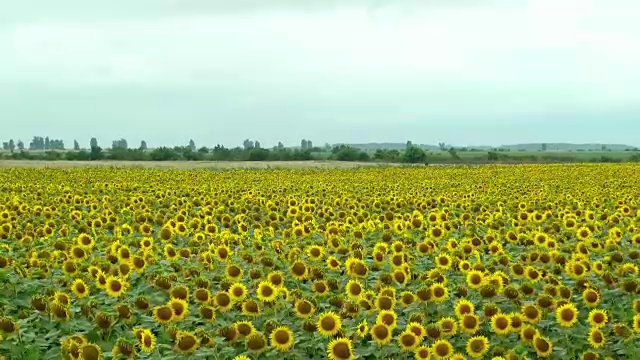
<point x="340" y="349"/>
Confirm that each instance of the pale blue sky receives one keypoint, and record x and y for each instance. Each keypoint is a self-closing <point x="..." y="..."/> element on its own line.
<point x="459" y="71"/>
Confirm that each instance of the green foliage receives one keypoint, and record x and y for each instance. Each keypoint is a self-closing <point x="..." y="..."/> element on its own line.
<point x="119" y="144"/>
<point x="96" y="153"/>
<point x="414" y="155"/>
<point x="348" y="153"/>
<point x="164" y="154"/>
<point x="392" y="155"/>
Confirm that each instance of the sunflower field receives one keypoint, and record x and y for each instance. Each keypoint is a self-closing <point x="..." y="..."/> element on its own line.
<point x="483" y="262"/>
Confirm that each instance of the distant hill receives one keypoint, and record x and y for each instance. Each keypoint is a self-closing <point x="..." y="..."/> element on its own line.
<point x="567" y="147"/>
<point x="389" y="146"/>
<point x="513" y="147"/>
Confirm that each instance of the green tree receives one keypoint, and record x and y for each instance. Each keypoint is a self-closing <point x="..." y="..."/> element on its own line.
<point x="454" y="153"/>
<point x="93" y="143"/>
<point x="247" y="144"/>
<point x="12" y="145"/>
<point x="414" y="155"/>
<point x="96" y="153"/>
<point x="192" y="145"/>
<point x="20" y="145"/>
<point x="76" y="146"/>
<point x="303" y="144"/>
<point x="143" y="145"/>
<point x="119" y="144"/>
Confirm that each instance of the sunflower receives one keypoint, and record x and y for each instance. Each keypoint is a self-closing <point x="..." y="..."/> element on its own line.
<point x="78" y="253"/>
<point x="477" y="346"/>
<point x="385" y="302"/>
<point x="267" y="292"/>
<point x="407" y="298"/>
<point x="186" y="342"/>
<point x="636" y="323"/>
<point x="60" y="311"/>
<point x="517" y="320"/>
<point x="439" y="292"/>
<point x="138" y="263"/>
<point x="315" y="252"/>
<point x="276" y="278"/>
<point x="388" y="318"/>
<point x="207" y="312"/>
<point x="528" y="333"/>
<point x="115" y="287"/>
<point x="464" y="307"/>
<point x="354" y="289"/>
<point x="304" y="309"/>
<point x="531" y="313"/>
<point x="39" y="303"/>
<point x="320" y="287"/>
<point x="251" y="308"/>
<point x="281" y="338"/>
<point x="90" y="352"/>
<point x="163" y="314"/>
<point x="422" y="353"/>
<point x="79" y="288"/>
<point x="180" y="292"/>
<point x="598" y="318"/>
<point x="333" y="263"/>
<point x="256" y="343"/>
<point x="596" y="338"/>
<point x="501" y="324"/>
<point x="542" y="346"/>
<point x="69" y="267"/>
<point x="442" y="349"/>
<point x="299" y="270"/>
<point x="124" y="347"/>
<point x="362" y="329"/>
<point x="408" y="341"/>
<point x="233" y="272"/>
<point x="356" y="267"/>
<point x="589" y="355"/>
<point x="61" y="298"/>
<point x="417" y="329"/>
<point x="170" y="252"/>
<point x="591" y="297"/>
<point x="147" y="341"/>
<point x="8" y="326"/>
<point x="567" y="315"/>
<point x="223" y="302"/>
<point x="238" y="292"/>
<point x="470" y="323"/>
<point x="329" y="323"/>
<point x="179" y="307"/>
<point x="381" y="334"/>
<point x="475" y="279"/>
<point x="340" y="349"/>
<point x="244" y="328"/>
<point x="447" y="326"/>
<point x="202" y="295"/>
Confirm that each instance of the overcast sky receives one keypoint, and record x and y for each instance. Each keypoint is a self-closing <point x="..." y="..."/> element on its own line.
<point x="466" y="72"/>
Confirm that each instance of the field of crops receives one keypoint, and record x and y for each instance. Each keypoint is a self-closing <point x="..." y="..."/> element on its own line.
<point x="487" y="262"/>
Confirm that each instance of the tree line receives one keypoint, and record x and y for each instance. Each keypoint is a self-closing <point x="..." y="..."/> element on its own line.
<point x="44" y="148"/>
